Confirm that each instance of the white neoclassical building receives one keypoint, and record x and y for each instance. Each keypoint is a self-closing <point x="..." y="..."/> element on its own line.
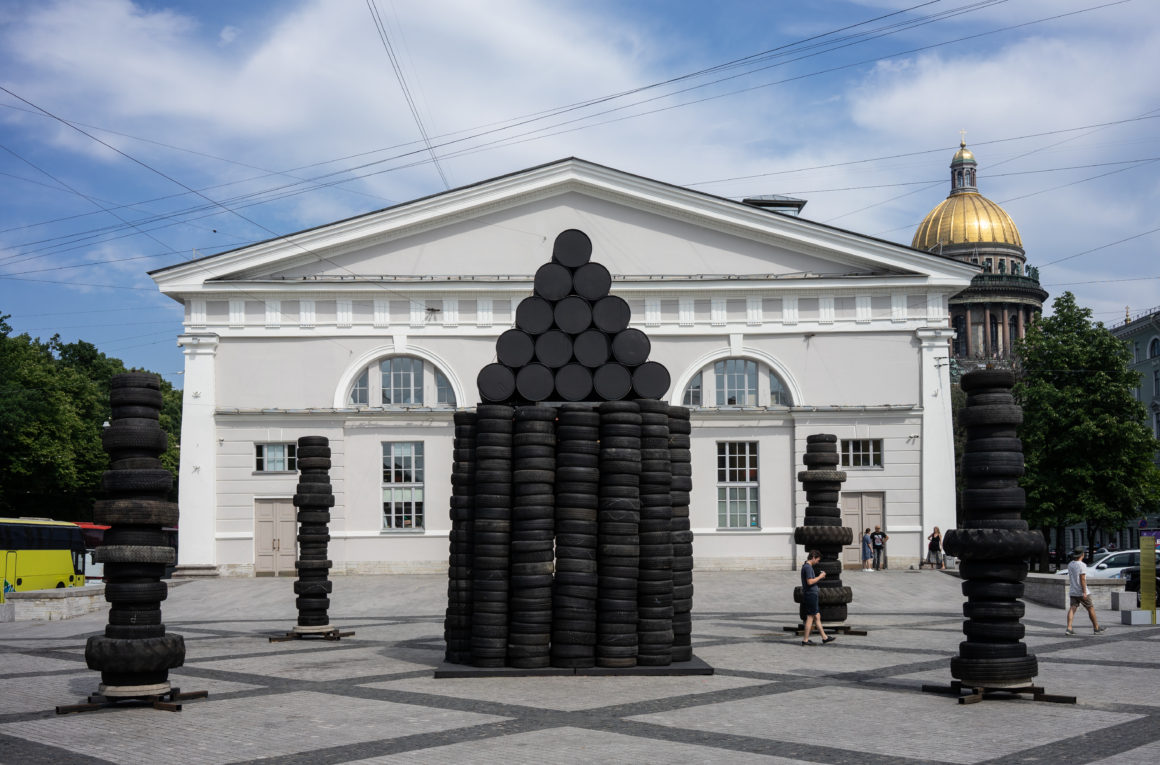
<point x="371" y="331"/>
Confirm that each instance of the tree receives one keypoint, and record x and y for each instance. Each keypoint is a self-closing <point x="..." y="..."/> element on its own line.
<point x="54" y="401"/>
<point x="1088" y="452"/>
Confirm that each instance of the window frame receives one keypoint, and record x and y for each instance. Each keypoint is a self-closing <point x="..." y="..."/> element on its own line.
<point x="875" y="449"/>
<point x="702" y="390"/>
<point x="730" y="489"/>
<point x="409" y="520"/>
<point x="428" y="381"/>
<point x="289" y="457"/>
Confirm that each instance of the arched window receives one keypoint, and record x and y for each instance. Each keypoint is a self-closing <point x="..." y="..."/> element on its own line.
<point x="736" y="382"/>
<point x="960" y="341"/>
<point x="401" y="381"/>
<point x="1154" y="348"/>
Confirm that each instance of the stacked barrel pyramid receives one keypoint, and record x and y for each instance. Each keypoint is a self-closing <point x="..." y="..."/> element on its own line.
<point x="993" y="542"/>
<point x="135" y="654"/>
<point x="570" y="540"/>
<point x="823" y="529"/>
<point x="314" y="498"/>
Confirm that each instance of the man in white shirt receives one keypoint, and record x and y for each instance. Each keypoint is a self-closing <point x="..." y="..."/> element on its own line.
<point x="1078" y="592"/>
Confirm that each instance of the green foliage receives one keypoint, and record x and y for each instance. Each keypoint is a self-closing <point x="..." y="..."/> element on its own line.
<point x="54" y="401"/>
<point x="958" y="404"/>
<point x="1088" y="451"/>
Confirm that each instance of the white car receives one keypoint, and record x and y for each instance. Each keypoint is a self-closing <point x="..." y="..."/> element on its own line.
<point x="1110" y="566"/>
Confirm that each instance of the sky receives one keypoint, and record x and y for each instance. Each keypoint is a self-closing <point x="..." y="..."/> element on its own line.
<point x="137" y="135"/>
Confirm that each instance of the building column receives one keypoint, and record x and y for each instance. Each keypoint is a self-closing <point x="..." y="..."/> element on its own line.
<point x="1022" y="323"/>
<point x="987" y="349"/>
<point x="1006" y="334"/>
<point x="937" y="437"/>
<point x="969" y="349"/>
<point x="197" y="489"/>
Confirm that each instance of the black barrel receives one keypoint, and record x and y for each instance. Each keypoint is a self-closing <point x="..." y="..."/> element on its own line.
<point x="553" y="281"/>
<point x="591" y="281"/>
<point x="496" y="383"/>
<point x="630" y="347"/>
<point x="573" y="248"/>
<point x="650" y="380"/>
<point x="612" y="382"/>
<point x="515" y="348"/>
<point x="573" y="315"/>
<point x="534" y="315"/>
<point x="573" y="382"/>
<point x="611" y="314"/>
<point x="591" y="348"/>
<point x="554" y="349"/>
<point x="535" y="382"/>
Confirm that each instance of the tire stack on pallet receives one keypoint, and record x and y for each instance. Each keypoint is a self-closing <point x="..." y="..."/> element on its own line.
<point x="135" y="654"/>
<point x="618" y="544"/>
<point x="532" y="524"/>
<point x="682" y="534"/>
<point x="492" y="526"/>
<point x="571" y="341"/>
<point x="994" y="542"/>
<point x="577" y="490"/>
<point x="457" y="623"/>
<point x="823" y="529"/>
<point x="314" y="498"/>
<point x="655" y="583"/>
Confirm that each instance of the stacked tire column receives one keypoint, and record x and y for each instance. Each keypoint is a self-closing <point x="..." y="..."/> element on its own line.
<point x="993" y="542"/>
<point x="618" y="544"/>
<point x="532" y="524"/>
<point x="682" y="534"/>
<point x="457" y="623"/>
<point x="822" y="527"/>
<point x="135" y="654"/>
<point x="655" y="576"/>
<point x="491" y="535"/>
<point x="313" y="498"/>
<point x="576" y="585"/>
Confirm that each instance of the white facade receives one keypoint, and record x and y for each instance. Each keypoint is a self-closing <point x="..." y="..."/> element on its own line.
<point x="277" y="336"/>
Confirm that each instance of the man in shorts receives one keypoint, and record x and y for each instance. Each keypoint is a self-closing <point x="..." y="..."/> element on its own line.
<point x="810" y="605"/>
<point x="1078" y="591"/>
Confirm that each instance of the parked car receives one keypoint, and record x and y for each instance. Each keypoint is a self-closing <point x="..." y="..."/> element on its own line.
<point x="1131" y="577"/>
<point x="1095" y="561"/>
<point x="1110" y="566"/>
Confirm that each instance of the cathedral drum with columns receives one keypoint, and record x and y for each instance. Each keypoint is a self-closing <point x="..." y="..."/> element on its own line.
<point x="1004" y="299"/>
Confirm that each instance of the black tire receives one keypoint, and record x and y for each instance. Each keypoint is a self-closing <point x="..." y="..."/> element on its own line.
<point x="149" y="398"/>
<point x="973" y="416"/>
<point x="970" y="650"/>
<point x="134" y="631"/>
<point x="993" y="632"/>
<point x="314" y="463"/>
<point x="135" y="412"/>
<point x="823" y="511"/>
<point x="992" y="543"/>
<point x="823" y="535"/>
<point x="981" y="379"/>
<point x="817" y="476"/>
<point x="134" y="554"/>
<point x="312" y="604"/>
<point x="820" y="459"/>
<point x="135" y="656"/>
<point x="135" y="512"/>
<point x="313" y="516"/>
<point x="119" y="615"/>
<point x="980" y="672"/>
<point x="986" y="610"/>
<point x="313" y="588"/>
<point x="989" y="569"/>
<point x="986" y="590"/>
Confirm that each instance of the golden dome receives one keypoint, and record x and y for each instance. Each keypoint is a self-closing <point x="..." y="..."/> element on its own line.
<point x="963" y="155"/>
<point x="966" y="217"/>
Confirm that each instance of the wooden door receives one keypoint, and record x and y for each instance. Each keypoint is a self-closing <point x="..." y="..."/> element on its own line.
<point x="861" y="510"/>
<point x="275" y="537"/>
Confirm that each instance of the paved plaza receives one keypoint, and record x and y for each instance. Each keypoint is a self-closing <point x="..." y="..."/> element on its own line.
<point x="372" y="698"/>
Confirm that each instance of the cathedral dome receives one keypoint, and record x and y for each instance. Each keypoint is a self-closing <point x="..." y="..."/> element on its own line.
<point x="965" y="217"/>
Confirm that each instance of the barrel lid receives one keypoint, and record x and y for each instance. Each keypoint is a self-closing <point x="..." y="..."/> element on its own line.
<point x="591" y="348"/>
<point x="535" y="382"/>
<point x="572" y="248"/>
<point x="554" y="348"/>
<point x="612" y="382"/>
<point x="591" y="281"/>
<point x="496" y="383"/>
<point x="553" y="281"/>
<point x="515" y="348"/>
<point x="573" y="314"/>
<point x="651" y="380"/>
<point x="611" y="314"/>
<point x="631" y="347"/>
<point x="534" y="315"/>
<point x="573" y="382"/>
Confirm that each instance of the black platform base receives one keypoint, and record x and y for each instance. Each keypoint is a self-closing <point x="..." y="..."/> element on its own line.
<point x="843" y="629"/>
<point x="168" y="701"/>
<point x="695" y="666"/>
<point x="973" y="695"/>
<point x="331" y="633"/>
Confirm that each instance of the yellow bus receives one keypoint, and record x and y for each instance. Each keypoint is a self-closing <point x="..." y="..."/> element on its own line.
<point x="40" y="555"/>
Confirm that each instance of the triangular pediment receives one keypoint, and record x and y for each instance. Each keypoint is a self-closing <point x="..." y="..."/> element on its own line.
<point x="502" y="229"/>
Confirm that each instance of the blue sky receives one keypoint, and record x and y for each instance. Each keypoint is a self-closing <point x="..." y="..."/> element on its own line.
<point x="137" y="135"/>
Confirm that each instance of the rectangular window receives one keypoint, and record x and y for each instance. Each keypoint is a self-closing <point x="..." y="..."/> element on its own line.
<point x="275" y="458"/>
<point x="862" y="453"/>
<point x="403" y="485"/>
<point x="737" y="493"/>
<point x="736" y="382"/>
<point x="402" y="381"/>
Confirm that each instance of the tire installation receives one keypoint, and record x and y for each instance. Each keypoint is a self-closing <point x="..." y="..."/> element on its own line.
<point x="823" y="529"/>
<point x="135" y="654"/>
<point x="313" y="498"/>
<point x="994" y="542"/>
<point x="457" y="622"/>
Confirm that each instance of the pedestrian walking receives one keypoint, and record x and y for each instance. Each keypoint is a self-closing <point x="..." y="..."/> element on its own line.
<point x="810" y="596"/>
<point x="1078" y="592"/>
<point x="878" y="539"/>
<point x="934" y="551"/>
<point x="867" y="552"/>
